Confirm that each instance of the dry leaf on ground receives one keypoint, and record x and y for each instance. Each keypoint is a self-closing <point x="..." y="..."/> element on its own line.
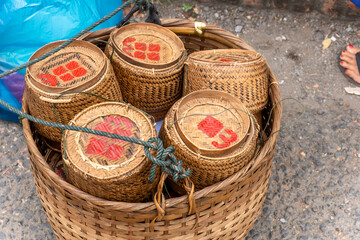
<point x="326" y="43"/>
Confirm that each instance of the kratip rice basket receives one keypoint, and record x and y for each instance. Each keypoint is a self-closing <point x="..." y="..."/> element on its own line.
<point x="53" y="85"/>
<point x="224" y="210"/>
<point x="213" y="133"/>
<point x="241" y="73"/>
<point x="110" y="168"/>
<point x="148" y="60"/>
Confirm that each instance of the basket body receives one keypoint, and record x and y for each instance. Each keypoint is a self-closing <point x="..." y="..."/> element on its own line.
<point x="226" y="210"/>
<point x="43" y="99"/>
<point x="239" y="72"/>
<point x="151" y="88"/>
<point x="217" y="160"/>
<point x="110" y="168"/>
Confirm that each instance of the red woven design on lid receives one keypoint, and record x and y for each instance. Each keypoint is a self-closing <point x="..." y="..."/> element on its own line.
<point x="63" y="73"/>
<point x="227" y="141"/>
<point x="48" y="79"/>
<point x="67" y="77"/>
<point x="60" y="70"/>
<point x="143" y="51"/>
<point x="210" y="126"/>
<point x="101" y="146"/>
<point x="72" y="65"/>
<point x="96" y="147"/>
<point x="226" y="60"/>
<point x="140" y="46"/>
<point x="79" y="72"/>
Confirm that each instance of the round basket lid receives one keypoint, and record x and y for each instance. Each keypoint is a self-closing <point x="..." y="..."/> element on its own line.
<point x="225" y="56"/>
<point x="148" y="45"/>
<point x="78" y="65"/>
<point x="102" y="157"/>
<point x="212" y="122"/>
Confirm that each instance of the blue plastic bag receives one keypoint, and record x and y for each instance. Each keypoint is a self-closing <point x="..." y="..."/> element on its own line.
<point x="27" y="25"/>
<point x="356" y="2"/>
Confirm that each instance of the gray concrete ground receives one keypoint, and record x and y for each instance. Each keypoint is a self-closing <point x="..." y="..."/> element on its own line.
<point x="315" y="183"/>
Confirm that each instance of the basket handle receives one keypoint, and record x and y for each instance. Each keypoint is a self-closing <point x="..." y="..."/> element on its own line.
<point x="45" y="99"/>
<point x="160" y="202"/>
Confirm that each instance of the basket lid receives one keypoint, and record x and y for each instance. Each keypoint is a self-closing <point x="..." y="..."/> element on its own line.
<point x="212" y="122"/>
<point x="102" y="157"/>
<point x="225" y="56"/>
<point x="148" y="45"/>
<point x="77" y="66"/>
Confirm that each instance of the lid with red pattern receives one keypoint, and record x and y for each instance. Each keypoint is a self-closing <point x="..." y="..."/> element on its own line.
<point x="80" y="63"/>
<point x="147" y="45"/>
<point x="103" y="157"/>
<point x="211" y="122"/>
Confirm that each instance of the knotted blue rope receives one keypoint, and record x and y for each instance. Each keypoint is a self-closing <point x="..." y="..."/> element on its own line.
<point x="166" y="159"/>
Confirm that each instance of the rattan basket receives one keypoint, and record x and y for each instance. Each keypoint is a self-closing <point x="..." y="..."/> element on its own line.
<point x="80" y="67"/>
<point x="213" y="133"/>
<point x="148" y="61"/>
<point x="225" y="210"/>
<point x="110" y="168"/>
<point x="241" y="73"/>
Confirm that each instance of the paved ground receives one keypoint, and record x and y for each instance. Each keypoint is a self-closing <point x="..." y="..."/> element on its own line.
<point x="315" y="183"/>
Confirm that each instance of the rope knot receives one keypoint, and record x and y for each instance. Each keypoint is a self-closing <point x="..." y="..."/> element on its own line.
<point x="143" y="4"/>
<point x="166" y="159"/>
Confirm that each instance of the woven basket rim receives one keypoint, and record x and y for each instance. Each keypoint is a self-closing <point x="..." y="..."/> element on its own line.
<point x="194" y="57"/>
<point x="55" y="90"/>
<point x="177" y="66"/>
<point x="82" y="87"/>
<point x="159" y="29"/>
<point x="180" y="26"/>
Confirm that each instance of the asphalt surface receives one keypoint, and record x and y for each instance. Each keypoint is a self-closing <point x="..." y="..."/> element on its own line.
<point x="315" y="182"/>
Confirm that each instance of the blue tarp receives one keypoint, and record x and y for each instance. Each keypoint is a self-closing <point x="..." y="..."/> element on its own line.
<point x="356" y="2"/>
<point x="27" y="25"/>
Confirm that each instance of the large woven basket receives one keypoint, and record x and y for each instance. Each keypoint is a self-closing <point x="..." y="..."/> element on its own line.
<point x="226" y="210"/>
<point x="80" y="67"/>
<point x="152" y="86"/>
<point x="110" y="168"/>
<point x="194" y="126"/>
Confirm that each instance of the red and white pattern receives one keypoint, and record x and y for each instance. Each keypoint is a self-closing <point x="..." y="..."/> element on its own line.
<point x="66" y="73"/>
<point x="141" y="50"/>
<point x="212" y="127"/>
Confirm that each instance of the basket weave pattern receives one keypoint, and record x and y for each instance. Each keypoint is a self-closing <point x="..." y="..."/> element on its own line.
<point x="153" y="89"/>
<point x="207" y="170"/>
<point x="67" y="106"/>
<point x="218" y="207"/>
<point x="226" y="210"/>
<point x="245" y="80"/>
<point x="153" y="92"/>
<point x="119" y="170"/>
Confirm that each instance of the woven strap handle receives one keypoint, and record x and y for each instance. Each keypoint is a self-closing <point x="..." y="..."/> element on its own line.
<point x="160" y="202"/>
<point x="45" y="99"/>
